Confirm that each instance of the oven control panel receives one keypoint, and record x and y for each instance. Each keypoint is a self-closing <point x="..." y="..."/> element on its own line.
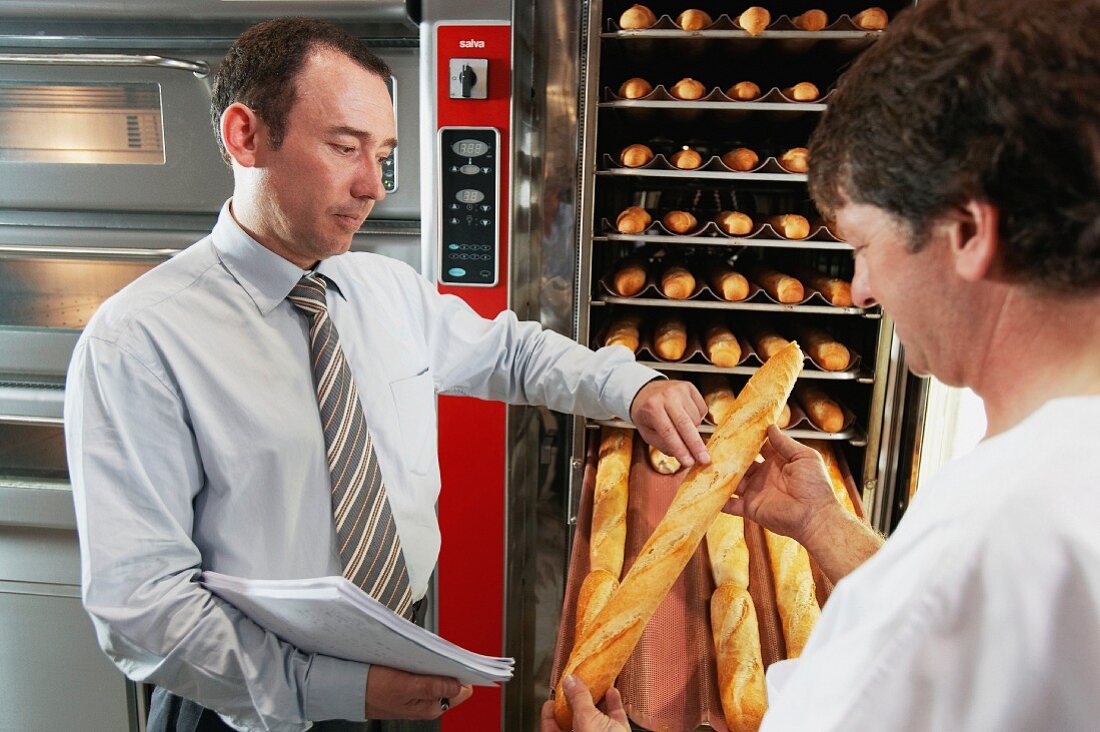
<point x="469" y="176"/>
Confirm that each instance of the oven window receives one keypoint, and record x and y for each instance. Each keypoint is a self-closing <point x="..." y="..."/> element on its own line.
<point x="106" y="124"/>
<point x="32" y="452"/>
<point x="60" y="293"/>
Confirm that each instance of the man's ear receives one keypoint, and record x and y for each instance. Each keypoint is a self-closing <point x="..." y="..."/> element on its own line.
<point x="242" y="130"/>
<point x="974" y="237"/>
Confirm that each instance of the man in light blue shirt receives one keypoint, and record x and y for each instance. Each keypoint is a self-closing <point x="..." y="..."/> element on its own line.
<point x="192" y="424"/>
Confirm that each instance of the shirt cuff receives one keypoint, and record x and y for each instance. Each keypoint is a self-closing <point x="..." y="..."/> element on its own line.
<point x="336" y="689"/>
<point x="629" y="379"/>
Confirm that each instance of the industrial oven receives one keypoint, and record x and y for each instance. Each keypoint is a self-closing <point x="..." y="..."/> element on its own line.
<point x="504" y="191"/>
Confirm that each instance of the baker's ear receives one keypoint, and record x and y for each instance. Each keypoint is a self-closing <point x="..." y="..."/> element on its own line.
<point x="242" y="130"/>
<point x="974" y="235"/>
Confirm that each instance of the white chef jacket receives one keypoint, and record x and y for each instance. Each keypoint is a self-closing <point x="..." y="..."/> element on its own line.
<point x="982" y="611"/>
<point x="195" y="443"/>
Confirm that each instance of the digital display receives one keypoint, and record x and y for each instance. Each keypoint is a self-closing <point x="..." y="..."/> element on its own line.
<point x="470" y="195"/>
<point x="470" y="148"/>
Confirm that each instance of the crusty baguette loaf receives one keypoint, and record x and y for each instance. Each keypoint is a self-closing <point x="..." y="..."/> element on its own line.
<point x="598" y="587"/>
<point x="722" y="347"/>
<point x="767" y="343"/>
<point x="719" y="397"/>
<point x="677" y="282"/>
<point x="837" y="291"/>
<point x="780" y="286"/>
<point x="600" y="655"/>
<point x="662" y="463"/>
<point x="794" y="590"/>
<point x="822" y="410"/>
<point x="737" y="654"/>
<point x="624" y="331"/>
<point x="608" y="536"/>
<point x="727" y="283"/>
<point x="670" y="338"/>
<point x="832" y="468"/>
<point x="826" y="351"/>
<point x="728" y="551"/>
<point x="629" y="278"/>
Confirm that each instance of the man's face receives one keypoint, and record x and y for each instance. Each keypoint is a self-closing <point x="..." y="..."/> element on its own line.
<point x="915" y="289"/>
<point x="321" y="183"/>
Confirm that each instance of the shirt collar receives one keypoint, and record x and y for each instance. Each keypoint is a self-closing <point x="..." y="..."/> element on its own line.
<point x="263" y="274"/>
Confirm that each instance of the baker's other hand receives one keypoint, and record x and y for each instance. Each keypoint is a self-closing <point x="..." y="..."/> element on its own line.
<point x="394" y="694"/>
<point x="586" y="717"/>
<point x="667" y="414"/>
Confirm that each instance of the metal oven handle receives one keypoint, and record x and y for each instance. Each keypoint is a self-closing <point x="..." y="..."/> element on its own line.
<point x="198" y="68"/>
<point x="95" y="252"/>
<point x="34" y="421"/>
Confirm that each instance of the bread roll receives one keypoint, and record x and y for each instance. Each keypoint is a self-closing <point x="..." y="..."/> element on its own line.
<point x="837" y="291"/>
<point x="737" y="655"/>
<point x="662" y="463"/>
<point x="670" y="338"/>
<point x="686" y="159"/>
<point x="679" y="222"/>
<point x="796" y="160"/>
<point x="781" y="287"/>
<point x="826" y="351"/>
<point x="634" y="156"/>
<point x="795" y="594"/>
<point x="608" y="536"/>
<point x="637" y="17"/>
<point x="598" y="587"/>
<point x="734" y="223"/>
<point x="743" y="91"/>
<point x="629" y="278"/>
<point x="811" y="20"/>
<point x="832" y="468"/>
<point x="693" y="20"/>
<point x="791" y="226"/>
<point x="633" y="220"/>
<point x="871" y="19"/>
<point x="727" y="283"/>
<point x="803" y="91"/>
<point x="741" y="159"/>
<point x="677" y="282"/>
<point x="754" y="20"/>
<point x="625" y="331"/>
<point x="722" y="348"/>
<point x="688" y="89"/>
<point x="635" y="88"/>
<point x="768" y="343"/>
<point x="600" y="655"/>
<point x="719" y="397"/>
<point x="825" y="413"/>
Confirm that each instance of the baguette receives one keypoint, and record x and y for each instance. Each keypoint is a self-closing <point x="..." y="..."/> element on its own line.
<point x="624" y="331"/>
<point x="794" y="590"/>
<point x="737" y="654"/>
<point x="722" y="347"/>
<point x="629" y="278"/>
<point x="728" y="284"/>
<point x="719" y="398"/>
<point x="728" y="552"/>
<point x="768" y="343"/>
<point x="662" y="463"/>
<point x="601" y="654"/>
<point x="598" y="587"/>
<point x="826" y="351"/>
<point x="832" y="468"/>
<point x="825" y="413"/>
<point x="837" y="291"/>
<point x="780" y="286"/>
<point x="609" y="501"/>
<point x="677" y="282"/>
<point x="670" y="338"/>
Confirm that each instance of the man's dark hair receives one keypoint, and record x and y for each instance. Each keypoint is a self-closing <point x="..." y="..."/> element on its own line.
<point x="260" y="67"/>
<point x="972" y="99"/>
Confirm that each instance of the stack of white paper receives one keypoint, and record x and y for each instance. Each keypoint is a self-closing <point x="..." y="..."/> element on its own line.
<point x="332" y="616"/>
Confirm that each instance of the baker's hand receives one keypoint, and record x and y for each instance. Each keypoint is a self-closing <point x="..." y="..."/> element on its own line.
<point x="586" y="717"/>
<point x="789" y="492"/>
<point x="393" y="694"/>
<point x="667" y="415"/>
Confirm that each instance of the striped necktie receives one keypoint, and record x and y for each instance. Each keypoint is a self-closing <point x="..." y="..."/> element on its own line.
<point x="369" y="545"/>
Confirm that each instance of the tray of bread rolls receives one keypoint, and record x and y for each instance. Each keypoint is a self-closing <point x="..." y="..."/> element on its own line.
<point x="746" y="599"/>
<point x="639" y="22"/>
<point x="724" y="342"/>
<point x="678" y="226"/>
<point x="701" y="281"/>
<point x="737" y="163"/>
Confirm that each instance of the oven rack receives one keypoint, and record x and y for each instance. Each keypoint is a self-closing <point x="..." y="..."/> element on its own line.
<point x="852" y="436"/>
<point x="604" y="300"/>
